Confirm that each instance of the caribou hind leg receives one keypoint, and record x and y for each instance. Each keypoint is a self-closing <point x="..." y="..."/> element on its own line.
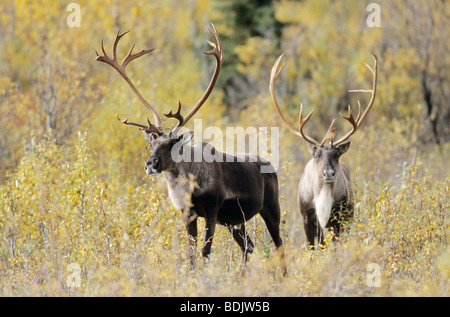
<point x="271" y="216"/>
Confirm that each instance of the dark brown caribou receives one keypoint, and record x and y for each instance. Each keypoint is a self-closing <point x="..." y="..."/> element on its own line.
<point x="325" y="195"/>
<point x="228" y="190"/>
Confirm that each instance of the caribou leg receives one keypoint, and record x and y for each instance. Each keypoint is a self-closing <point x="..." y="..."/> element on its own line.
<point x="272" y="219"/>
<point x="210" y="227"/>
<point x="310" y="225"/>
<point x="190" y="221"/>
<point x="240" y="235"/>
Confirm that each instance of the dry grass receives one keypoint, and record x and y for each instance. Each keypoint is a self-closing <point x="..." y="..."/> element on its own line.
<point x="128" y="241"/>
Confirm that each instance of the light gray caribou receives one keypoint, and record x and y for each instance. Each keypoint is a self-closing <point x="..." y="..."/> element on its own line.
<point x="229" y="190"/>
<point x="325" y="195"/>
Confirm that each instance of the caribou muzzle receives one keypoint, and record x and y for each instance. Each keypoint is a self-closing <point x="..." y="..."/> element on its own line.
<point x="153" y="166"/>
<point x="328" y="175"/>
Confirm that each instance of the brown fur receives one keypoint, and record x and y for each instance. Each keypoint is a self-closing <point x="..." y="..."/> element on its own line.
<point x="229" y="192"/>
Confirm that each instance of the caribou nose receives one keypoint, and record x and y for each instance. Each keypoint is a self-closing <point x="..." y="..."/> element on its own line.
<point x="328" y="175"/>
<point x="152" y="165"/>
<point x="155" y="163"/>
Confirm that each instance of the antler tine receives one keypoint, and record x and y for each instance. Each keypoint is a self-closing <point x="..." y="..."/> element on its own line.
<point x="120" y="68"/>
<point x="150" y="128"/>
<point x="331" y="133"/>
<point x="103" y="50"/>
<point x="359" y="110"/>
<point x="275" y="72"/>
<point x="177" y="115"/>
<point x="356" y="123"/>
<point x="216" y="44"/>
<point x="302" y="122"/>
<point x="217" y="52"/>
<point x="116" y="41"/>
<point x="131" y="57"/>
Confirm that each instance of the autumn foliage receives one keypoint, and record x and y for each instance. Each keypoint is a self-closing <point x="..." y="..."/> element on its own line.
<point x="74" y="197"/>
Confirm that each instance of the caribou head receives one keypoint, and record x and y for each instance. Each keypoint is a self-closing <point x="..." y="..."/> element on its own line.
<point x="162" y="142"/>
<point x="327" y="152"/>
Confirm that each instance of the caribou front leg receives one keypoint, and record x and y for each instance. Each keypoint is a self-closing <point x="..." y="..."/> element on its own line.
<point x="210" y="227"/>
<point x="190" y="221"/>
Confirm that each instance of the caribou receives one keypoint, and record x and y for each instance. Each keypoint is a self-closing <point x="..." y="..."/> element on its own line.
<point x="228" y="191"/>
<point x="325" y="196"/>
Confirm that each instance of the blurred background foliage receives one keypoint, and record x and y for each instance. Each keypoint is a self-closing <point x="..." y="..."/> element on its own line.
<point x="72" y="184"/>
<point x="50" y="80"/>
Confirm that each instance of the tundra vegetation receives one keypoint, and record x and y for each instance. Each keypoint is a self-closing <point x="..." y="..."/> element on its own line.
<point x="80" y="217"/>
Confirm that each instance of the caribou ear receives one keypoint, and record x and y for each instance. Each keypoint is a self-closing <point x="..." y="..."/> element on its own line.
<point x="149" y="137"/>
<point x="311" y="148"/>
<point x="343" y="147"/>
<point x="185" y="137"/>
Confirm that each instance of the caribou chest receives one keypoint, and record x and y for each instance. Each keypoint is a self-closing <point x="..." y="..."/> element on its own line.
<point x="180" y="190"/>
<point x="323" y="203"/>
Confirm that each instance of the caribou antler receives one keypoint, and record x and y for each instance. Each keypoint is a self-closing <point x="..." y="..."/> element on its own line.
<point x="331" y="132"/>
<point x="150" y="128"/>
<point x="121" y="69"/>
<point x="177" y="115"/>
<point x="276" y="70"/>
<point x="217" y="52"/>
<point x="356" y="123"/>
